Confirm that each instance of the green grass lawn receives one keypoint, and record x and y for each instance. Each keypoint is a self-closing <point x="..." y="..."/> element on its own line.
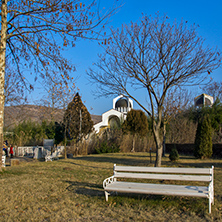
<point x="71" y="190"/>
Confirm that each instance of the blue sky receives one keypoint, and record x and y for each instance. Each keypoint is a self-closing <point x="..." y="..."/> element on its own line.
<point x="207" y="14"/>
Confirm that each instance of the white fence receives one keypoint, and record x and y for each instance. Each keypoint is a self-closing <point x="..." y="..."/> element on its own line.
<point x="36" y="152"/>
<point x="25" y="151"/>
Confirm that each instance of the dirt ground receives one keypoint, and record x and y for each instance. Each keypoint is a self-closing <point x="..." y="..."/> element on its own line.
<point x="21" y="159"/>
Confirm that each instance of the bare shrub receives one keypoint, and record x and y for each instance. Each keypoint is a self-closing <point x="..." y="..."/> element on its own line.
<point x="181" y="130"/>
<point x="141" y="144"/>
<point x="127" y="143"/>
<point x="112" y="137"/>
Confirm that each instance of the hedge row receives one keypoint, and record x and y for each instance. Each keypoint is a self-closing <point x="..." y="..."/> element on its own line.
<point x="188" y="149"/>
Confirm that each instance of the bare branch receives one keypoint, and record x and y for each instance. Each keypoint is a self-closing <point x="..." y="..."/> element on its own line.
<point x="157" y="56"/>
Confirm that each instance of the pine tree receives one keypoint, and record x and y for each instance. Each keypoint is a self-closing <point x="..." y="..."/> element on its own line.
<point x="77" y="119"/>
<point x="203" y="140"/>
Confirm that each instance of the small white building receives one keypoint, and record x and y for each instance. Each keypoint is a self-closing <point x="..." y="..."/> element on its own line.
<point x="203" y="100"/>
<point x="113" y="117"/>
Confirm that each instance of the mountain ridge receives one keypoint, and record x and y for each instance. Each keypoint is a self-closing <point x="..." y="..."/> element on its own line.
<point x="16" y="114"/>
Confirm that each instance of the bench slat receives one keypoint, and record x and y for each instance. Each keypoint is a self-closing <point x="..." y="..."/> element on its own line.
<point x="161" y="189"/>
<point x="164" y="170"/>
<point x="163" y="176"/>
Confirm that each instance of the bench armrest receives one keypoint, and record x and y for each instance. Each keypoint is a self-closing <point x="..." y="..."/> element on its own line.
<point x="107" y="181"/>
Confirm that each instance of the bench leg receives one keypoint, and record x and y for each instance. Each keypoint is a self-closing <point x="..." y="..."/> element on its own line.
<point x="211" y="202"/>
<point x="106" y="195"/>
<point x="211" y="199"/>
<point x="209" y="206"/>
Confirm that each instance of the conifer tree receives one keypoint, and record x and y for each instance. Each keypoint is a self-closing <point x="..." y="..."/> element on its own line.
<point x="203" y="139"/>
<point x="77" y="119"/>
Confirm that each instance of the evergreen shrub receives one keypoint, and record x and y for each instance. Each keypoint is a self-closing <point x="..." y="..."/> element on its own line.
<point x="203" y="141"/>
<point x="104" y="147"/>
<point x="174" y="155"/>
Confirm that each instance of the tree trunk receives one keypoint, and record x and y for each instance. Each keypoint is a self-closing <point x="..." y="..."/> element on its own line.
<point x="2" y="69"/>
<point x="157" y="137"/>
<point x="159" y="147"/>
<point x="65" y="151"/>
<point x="133" y="149"/>
<point x="65" y="139"/>
<point x="164" y="139"/>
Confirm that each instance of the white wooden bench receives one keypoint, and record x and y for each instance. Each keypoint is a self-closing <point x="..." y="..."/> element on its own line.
<point x="112" y="184"/>
<point x="3" y="160"/>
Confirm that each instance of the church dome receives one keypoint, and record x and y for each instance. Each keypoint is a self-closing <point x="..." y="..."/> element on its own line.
<point x="121" y="103"/>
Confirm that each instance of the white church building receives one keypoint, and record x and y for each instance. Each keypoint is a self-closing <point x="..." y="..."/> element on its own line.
<point x="114" y="116"/>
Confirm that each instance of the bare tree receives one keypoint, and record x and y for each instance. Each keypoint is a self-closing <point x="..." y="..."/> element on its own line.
<point x="155" y="55"/>
<point x="181" y="130"/>
<point x="33" y="33"/>
<point x="14" y="89"/>
<point x="177" y="99"/>
<point x="214" y="89"/>
<point x="57" y="95"/>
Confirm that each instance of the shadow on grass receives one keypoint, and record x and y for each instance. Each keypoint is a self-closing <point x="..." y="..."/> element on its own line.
<point x="141" y="156"/>
<point x="193" y="164"/>
<point x="116" y="160"/>
<point x="84" y="188"/>
<point x="184" y="157"/>
<point x="90" y="189"/>
<point x="95" y="190"/>
<point x="140" y="161"/>
<point x="88" y="166"/>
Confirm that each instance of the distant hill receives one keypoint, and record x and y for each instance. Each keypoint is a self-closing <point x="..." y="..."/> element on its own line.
<point x="17" y="114"/>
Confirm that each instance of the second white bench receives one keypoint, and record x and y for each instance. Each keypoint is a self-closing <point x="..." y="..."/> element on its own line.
<point x="161" y="173"/>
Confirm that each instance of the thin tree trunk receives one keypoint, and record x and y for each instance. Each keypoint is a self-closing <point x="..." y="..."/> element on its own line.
<point x="65" y="139"/>
<point x="2" y="69"/>
<point x="133" y="149"/>
<point x="65" y="151"/>
<point x="164" y="139"/>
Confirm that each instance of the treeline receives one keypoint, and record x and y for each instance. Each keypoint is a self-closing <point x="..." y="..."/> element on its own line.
<point x="29" y="133"/>
<point x="76" y="125"/>
<point x="135" y="134"/>
<point x="198" y="126"/>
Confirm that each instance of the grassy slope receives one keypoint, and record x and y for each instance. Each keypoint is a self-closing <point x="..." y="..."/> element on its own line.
<point x="71" y="190"/>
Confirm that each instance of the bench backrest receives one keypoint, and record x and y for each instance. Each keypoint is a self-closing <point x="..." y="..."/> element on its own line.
<point x="164" y="173"/>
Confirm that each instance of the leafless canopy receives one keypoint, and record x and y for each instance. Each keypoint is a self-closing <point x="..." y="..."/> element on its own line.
<point x="14" y="89"/>
<point x="152" y="54"/>
<point x="157" y="56"/>
<point x="37" y="31"/>
<point x="214" y="89"/>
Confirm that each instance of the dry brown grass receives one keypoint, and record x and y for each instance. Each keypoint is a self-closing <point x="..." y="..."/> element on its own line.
<point x="71" y="190"/>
